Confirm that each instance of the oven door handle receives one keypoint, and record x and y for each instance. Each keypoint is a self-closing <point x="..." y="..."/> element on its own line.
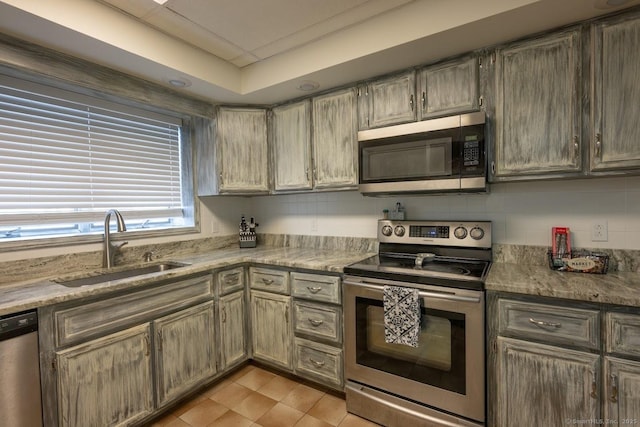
<point x="423" y="294"/>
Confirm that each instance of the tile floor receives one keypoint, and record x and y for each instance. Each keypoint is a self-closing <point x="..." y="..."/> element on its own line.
<point x="254" y="397"/>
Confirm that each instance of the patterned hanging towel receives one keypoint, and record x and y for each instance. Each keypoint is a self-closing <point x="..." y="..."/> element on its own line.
<point x="401" y="315"/>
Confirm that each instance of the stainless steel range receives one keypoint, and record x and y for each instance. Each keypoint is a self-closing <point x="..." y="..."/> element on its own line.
<point x="441" y="381"/>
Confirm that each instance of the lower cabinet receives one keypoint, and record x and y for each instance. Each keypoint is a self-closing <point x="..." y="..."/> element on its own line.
<point x="271" y="330"/>
<point x="318" y="361"/>
<point x="106" y="381"/>
<point x="622" y="393"/>
<point x="232" y="329"/>
<point x="184" y="351"/>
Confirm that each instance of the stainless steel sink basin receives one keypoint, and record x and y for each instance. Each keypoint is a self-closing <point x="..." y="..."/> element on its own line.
<point x="108" y="276"/>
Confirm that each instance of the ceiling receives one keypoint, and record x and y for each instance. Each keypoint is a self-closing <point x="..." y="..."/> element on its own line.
<point x="264" y="51"/>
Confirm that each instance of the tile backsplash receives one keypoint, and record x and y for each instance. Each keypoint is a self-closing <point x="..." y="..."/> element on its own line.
<point x="522" y="213"/>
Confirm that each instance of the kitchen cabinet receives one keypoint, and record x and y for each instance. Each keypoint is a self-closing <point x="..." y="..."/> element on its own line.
<point x="103" y="359"/>
<point x="271" y="328"/>
<point x="448" y="88"/>
<point x="106" y="381"/>
<point x="291" y="135"/>
<point x="547" y="363"/>
<point x="335" y="140"/>
<point x="242" y="157"/>
<point x="387" y="101"/>
<point x="614" y="142"/>
<point x="233" y="343"/>
<point x="184" y="351"/>
<point x="538" y="108"/>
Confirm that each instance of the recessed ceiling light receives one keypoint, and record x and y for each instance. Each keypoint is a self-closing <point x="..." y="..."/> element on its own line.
<point x="308" y="85"/>
<point x="178" y="82"/>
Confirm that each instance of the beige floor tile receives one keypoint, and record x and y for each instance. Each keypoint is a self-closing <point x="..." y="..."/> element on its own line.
<point x="241" y="372"/>
<point x="330" y="409"/>
<point x="277" y="388"/>
<point x="188" y="405"/>
<point x="216" y="387"/>
<point x="231" y="419"/>
<point x="280" y="416"/>
<point x="302" y="397"/>
<point x="231" y="395"/>
<point x="204" y="413"/>
<point x="254" y="406"/>
<point x="255" y="378"/>
<point x="161" y="422"/>
<point x="177" y="423"/>
<point x="354" y="421"/>
<point x="309" y="421"/>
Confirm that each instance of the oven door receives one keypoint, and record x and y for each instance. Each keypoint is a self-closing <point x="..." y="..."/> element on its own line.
<point x="447" y="369"/>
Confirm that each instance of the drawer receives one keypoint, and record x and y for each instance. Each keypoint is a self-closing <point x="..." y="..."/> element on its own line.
<point x="269" y="280"/>
<point x="89" y="320"/>
<point x="550" y="323"/>
<point x="231" y="280"/>
<point x="623" y="333"/>
<point x="317" y="287"/>
<point x="318" y="361"/>
<point x="318" y="320"/>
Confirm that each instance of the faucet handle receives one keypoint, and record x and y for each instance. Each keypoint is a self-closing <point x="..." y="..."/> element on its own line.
<point x="119" y="245"/>
<point x="148" y="256"/>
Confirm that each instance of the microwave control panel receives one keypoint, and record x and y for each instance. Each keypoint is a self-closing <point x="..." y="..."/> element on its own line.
<point x="471" y="153"/>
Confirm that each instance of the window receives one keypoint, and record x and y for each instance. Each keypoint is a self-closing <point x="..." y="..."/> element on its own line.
<point x="65" y="159"/>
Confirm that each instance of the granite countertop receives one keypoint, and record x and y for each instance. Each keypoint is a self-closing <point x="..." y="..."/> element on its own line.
<point x="621" y="288"/>
<point x="27" y="295"/>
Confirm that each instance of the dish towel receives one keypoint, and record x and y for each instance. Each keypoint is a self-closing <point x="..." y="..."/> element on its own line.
<point x="401" y="315"/>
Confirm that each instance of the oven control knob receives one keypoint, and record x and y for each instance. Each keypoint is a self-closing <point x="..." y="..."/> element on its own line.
<point x="460" y="232"/>
<point x="387" y="230"/>
<point x="399" y="230"/>
<point x="476" y="233"/>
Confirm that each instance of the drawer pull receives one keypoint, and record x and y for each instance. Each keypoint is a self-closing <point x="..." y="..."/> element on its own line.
<point x="315" y="289"/>
<point x="267" y="281"/>
<point x="231" y="278"/>
<point x="614" y="389"/>
<point x="318" y="364"/>
<point x="315" y="322"/>
<point x="544" y="325"/>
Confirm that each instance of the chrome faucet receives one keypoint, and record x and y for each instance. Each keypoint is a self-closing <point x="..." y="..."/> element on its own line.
<point x="109" y="251"/>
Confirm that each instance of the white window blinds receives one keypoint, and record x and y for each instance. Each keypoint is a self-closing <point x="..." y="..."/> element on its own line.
<point x="61" y="159"/>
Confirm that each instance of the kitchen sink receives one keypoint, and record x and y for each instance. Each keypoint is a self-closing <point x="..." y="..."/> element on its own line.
<point x="108" y="276"/>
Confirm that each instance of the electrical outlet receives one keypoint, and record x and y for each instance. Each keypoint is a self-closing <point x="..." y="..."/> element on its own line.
<point x="599" y="232"/>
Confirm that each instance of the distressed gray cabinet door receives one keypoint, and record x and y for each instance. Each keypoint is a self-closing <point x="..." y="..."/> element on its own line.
<point x="541" y="385"/>
<point x="448" y="88"/>
<point x="232" y="315"/>
<point x="291" y="133"/>
<point x="622" y="391"/>
<point x="241" y="137"/>
<point x="271" y="328"/>
<point x="616" y="106"/>
<point x="184" y="351"/>
<point x="107" y="381"/>
<point x="537" y="117"/>
<point x="335" y="140"/>
<point x="389" y="101"/>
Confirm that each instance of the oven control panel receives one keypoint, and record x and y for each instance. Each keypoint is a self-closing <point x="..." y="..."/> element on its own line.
<point x="476" y="234"/>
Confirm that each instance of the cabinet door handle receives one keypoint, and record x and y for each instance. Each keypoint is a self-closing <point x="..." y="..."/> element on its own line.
<point x="318" y="364"/>
<point x="267" y="282"/>
<point x="315" y="322"/>
<point x="221" y="180"/>
<point x="286" y="316"/>
<point x="224" y="314"/>
<point x="411" y="102"/>
<point x="614" y="388"/>
<point x="159" y="341"/>
<point x="543" y="324"/>
<point x="314" y="289"/>
<point x="424" y="100"/>
<point x="147" y="350"/>
<point x="576" y="146"/>
<point x="594" y="387"/>
<point x="307" y="173"/>
<point x="598" y="145"/>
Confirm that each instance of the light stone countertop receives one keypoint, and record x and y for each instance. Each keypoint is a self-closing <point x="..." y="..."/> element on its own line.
<point x="27" y="295"/>
<point x="622" y="288"/>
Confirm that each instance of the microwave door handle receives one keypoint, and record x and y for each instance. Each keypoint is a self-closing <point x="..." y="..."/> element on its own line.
<point x="423" y="294"/>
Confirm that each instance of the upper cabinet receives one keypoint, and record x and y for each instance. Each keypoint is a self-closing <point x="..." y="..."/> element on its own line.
<point x="335" y="122"/>
<point x="242" y="157"/>
<point x="448" y="88"/>
<point x="537" y="107"/>
<point x="388" y="101"/>
<point x="616" y="64"/>
<point x="291" y="141"/>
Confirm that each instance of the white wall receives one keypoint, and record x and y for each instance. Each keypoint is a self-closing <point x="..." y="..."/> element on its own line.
<point x="522" y="213"/>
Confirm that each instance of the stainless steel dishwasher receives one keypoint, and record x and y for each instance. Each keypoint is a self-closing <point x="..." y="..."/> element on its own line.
<point x="20" y="403"/>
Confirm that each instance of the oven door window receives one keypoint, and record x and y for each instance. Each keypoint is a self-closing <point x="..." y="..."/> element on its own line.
<point x="426" y="158"/>
<point x="439" y="359"/>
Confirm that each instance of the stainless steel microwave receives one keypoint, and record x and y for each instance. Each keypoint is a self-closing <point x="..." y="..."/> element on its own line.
<point x="439" y="155"/>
